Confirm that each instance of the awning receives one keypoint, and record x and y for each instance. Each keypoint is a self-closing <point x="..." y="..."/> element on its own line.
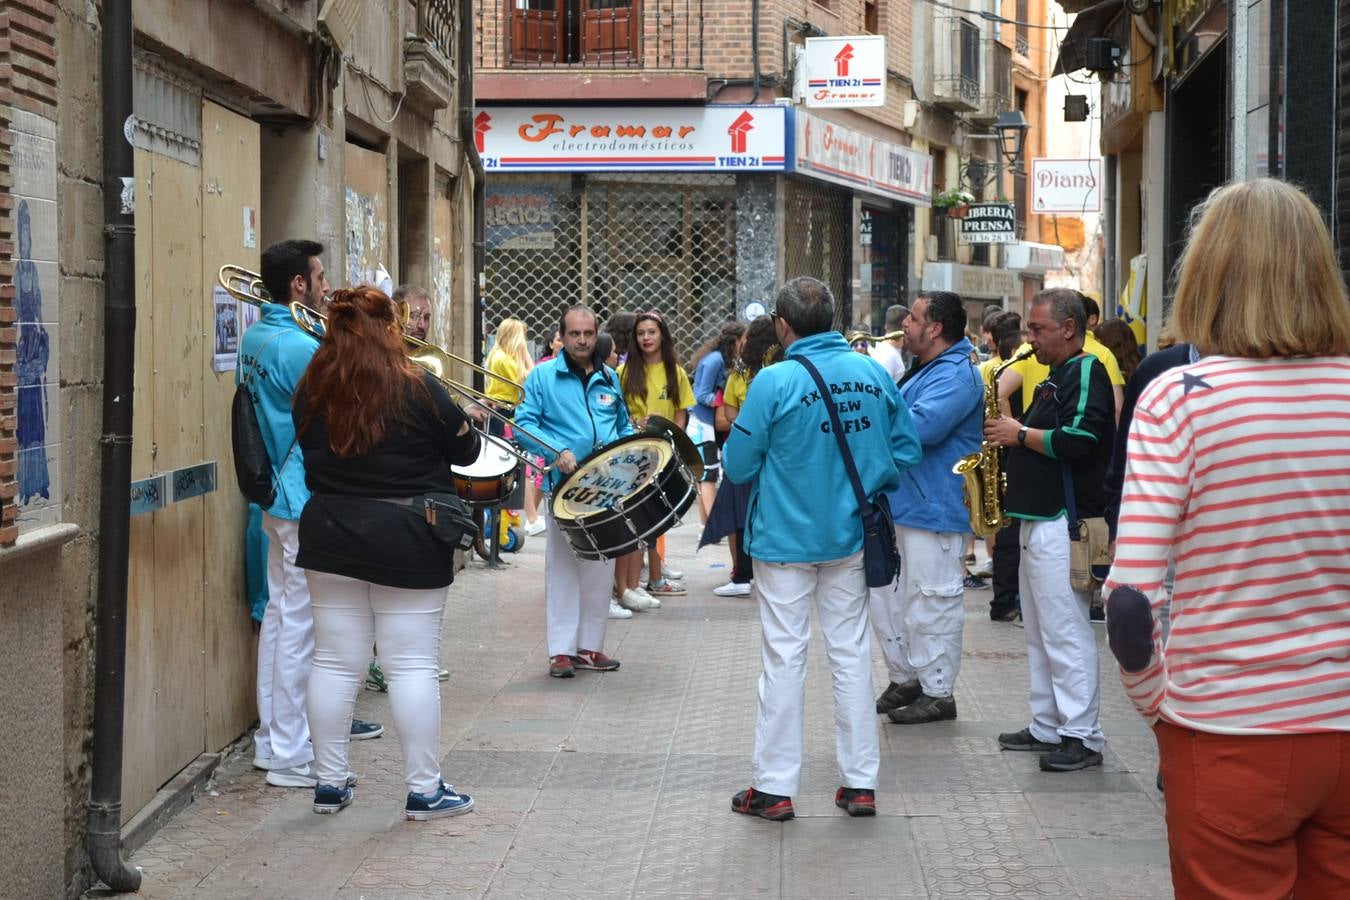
<point x="1031" y="258"/>
<point x="1090" y="23"/>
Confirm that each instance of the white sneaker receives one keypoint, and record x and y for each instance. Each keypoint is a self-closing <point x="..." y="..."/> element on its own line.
<point x="536" y="528"/>
<point x="668" y="572"/>
<point x="618" y="612"/>
<point x="732" y="589"/>
<point x="305" y="776"/>
<point x="262" y="762"/>
<point x="647" y="598"/>
<point x="632" y="600"/>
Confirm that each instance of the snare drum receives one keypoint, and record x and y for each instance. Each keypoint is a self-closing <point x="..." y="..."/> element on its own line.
<point x="623" y="497"/>
<point x="489" y="479"/>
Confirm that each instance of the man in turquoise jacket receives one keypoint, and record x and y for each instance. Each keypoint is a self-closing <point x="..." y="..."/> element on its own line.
<point x="804" y="530"/>
<point x="574" y="403"/>
<point x="272" y="356"/>
<point x="919" y="620"/>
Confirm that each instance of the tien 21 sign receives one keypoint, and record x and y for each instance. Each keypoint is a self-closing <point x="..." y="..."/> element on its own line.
<point x="845" y="71"/>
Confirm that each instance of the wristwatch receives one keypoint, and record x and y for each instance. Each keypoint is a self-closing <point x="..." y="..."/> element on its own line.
<point x="1022" y="436"/>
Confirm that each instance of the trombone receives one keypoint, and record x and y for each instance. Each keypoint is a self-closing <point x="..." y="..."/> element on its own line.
<point x="856" y="336"/>
<point x="245" y="286"/>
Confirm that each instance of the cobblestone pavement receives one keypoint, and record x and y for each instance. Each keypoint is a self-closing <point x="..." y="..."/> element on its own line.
<point x="619" y="784"/>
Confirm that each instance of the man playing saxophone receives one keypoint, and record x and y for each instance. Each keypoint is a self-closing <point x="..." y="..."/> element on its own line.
<point x="919" y="620"/>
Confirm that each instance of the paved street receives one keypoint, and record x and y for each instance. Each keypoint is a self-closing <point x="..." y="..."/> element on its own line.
<point x="618" y="785"/>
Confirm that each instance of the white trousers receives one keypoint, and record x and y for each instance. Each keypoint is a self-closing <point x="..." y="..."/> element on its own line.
<point x="285" y="651"/>
<point x="785" y="591"/>
<point x="576" y="596"/>
<point x="918" y="620"/>
<point x="1061" y="647"/>
<point x="349" y="615"/>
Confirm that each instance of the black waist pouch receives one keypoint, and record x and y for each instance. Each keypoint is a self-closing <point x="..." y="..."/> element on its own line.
<point x="447" y="516"/>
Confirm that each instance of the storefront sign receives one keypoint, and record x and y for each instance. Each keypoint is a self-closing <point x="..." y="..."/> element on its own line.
<point x="976" y="282"/>
<point x="518" y="217"/>
<point x="989" y="223"/>
<point x="832" y="152"/>
<point x="845" y="71"/>
<point x="1031" y="258"/>
<point x="1066" y="186"/>
<point x="628" y="138"/>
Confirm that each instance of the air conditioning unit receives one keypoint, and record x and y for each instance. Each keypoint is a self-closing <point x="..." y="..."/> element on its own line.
<point x="956" y="63"/>
<point x="340" y="19"/>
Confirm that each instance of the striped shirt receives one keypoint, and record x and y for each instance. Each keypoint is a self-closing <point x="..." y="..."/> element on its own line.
<point x="1240" y="468"/>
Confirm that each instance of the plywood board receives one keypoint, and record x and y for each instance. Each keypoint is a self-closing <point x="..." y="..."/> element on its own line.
<point x="366" y="192"/>
<point x="179" y="326"/>
<point x="138" y="771"/>
<point x="230" y="195"/>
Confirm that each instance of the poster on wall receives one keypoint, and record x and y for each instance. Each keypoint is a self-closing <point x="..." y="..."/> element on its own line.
<point x="518" y="217"/>
<point x="226" y="351"/>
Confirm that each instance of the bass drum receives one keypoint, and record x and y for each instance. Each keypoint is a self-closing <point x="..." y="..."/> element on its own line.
<point x="489" y="479"/>
<point x="623" y="497"/>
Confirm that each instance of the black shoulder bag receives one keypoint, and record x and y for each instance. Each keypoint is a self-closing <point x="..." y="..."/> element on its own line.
<point x="881" y="557"/>
<point x="252" y="466"/>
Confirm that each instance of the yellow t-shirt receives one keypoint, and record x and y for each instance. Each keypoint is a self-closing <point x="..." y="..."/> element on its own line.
<point x="658" y="402"/>
<point x="734" y="393"/>
<point x="987" y="368"/>
<point x="499" y="362"/>
<point x="1033" y="373"/>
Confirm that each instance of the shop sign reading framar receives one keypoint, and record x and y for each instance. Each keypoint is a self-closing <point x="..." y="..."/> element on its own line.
<point x="629" y="138"/>
<point x="832" y="152"/>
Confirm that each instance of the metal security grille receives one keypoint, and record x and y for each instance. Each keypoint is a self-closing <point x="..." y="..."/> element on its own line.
<point x="615" y="241"/>
<point x="819" y="230"/>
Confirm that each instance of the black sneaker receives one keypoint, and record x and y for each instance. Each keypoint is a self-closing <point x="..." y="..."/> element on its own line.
<point x="898" y="695"/>
<point x="974" y="584"/>
<point x="1023" y="740"/>
<point x="856" y="801"/>
<point x="1159" y="782"/>
<point x="1072" y="755"/>
<point x="1011" y="614"/>
<point x="329" y="799"/>
<point x="1096" y="612"/>
<point x="925" y="709"/>
<point x="364" y="731"/>
<point x="773" y="807"/>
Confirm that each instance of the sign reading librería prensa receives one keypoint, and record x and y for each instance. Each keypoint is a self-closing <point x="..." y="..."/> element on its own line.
<point x="629" y="138"/>
<point x="846" y="71"/>
<point x="989" y="223"/>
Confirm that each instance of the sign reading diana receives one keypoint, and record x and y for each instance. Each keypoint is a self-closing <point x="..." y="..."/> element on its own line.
<point x="1066" y="186"/>
<point x="831" y="152"/>
<point x="989" y="223"/>
<point x="627" y="138"/>
<point x="845" y="71"/>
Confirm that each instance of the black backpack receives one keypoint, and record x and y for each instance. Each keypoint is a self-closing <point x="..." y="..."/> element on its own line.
<point x="252" y="466"/>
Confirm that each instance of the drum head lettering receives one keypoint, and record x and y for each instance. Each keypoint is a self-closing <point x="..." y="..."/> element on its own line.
<point x="612" y="476"/>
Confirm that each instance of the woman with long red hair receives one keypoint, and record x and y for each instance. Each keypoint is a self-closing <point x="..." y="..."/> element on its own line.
<point x="378" y="435"/>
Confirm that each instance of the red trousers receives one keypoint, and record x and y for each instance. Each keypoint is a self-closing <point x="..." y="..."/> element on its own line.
<point x="1257" y="817"/>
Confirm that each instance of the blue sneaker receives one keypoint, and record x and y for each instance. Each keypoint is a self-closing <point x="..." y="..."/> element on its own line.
<point x="329" y="799"/>
<point x="444" y="802"/>
<point x="362" y="731"/>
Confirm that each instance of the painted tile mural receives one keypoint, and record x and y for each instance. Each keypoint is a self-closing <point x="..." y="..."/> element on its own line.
<point x="38" y="421"/>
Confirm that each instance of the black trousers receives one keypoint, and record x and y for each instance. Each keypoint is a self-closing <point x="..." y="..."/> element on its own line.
<point x="744" y="569"/>
<point x="1007" y="561"/>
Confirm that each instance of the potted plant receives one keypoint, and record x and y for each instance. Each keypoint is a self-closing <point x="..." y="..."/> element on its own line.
<point x="953" y="202"/>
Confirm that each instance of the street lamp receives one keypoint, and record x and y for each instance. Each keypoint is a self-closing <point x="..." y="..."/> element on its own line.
<point x="1011" y="128"/>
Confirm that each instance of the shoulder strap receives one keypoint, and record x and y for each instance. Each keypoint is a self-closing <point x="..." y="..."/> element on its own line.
<point x="1070" y="502"/>
<point x="287" y="458"/>
<point x="838" y="429"/>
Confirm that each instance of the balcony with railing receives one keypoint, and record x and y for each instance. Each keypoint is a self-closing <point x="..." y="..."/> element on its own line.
<point x="996" y="96"/>
<point x="956" y="63"/>
<point x="429" y="55"/>
<point x="590" y="34"/>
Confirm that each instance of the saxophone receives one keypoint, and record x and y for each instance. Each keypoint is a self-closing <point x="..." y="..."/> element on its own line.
<point x="985" y="480"/>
